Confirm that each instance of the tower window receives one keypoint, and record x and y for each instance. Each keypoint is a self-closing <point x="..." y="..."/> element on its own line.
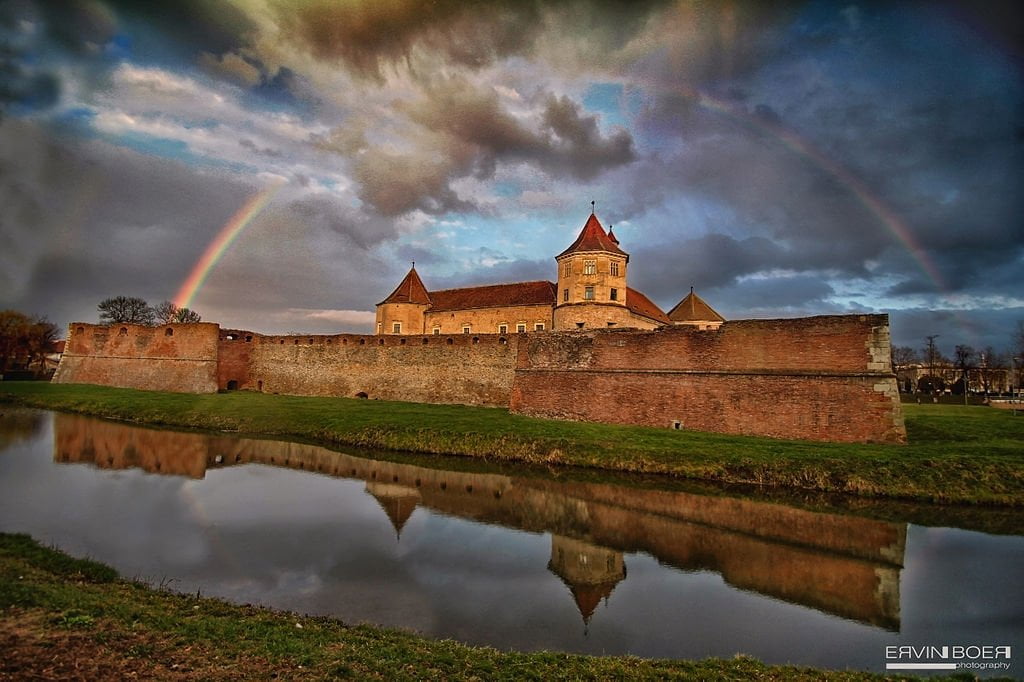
<point x="614" y="294"/>
<point x="465" y="329"/>
<point x="396" y="328"/>
<point x="590" y="267"/>
<point x="436" y="331"/>
<point x="565" y="294"/>
<point x="566" y="269"/>
<point x="614" y="271"/>
<point x="588" y="293"/>
<point x="538" y="327"/>
<point x="380" y="327"/>
<point x="521" y="328"/>
<point x="503" y="329"/>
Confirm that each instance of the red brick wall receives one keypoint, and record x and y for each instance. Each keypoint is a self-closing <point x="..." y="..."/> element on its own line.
<point x="473" y="369"/>
<point x="819" y="378"/>
<point x="234" y="351"/>
<point x="133" y="356"/>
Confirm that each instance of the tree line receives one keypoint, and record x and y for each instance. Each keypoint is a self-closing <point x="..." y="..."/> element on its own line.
<point x="25" y="341"/>
<point x="985" y="364"/>
<point x="133" y="310"/>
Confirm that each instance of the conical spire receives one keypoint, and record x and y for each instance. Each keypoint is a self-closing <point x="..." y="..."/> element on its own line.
<point x="398" y="502"/>
<point x="694" y="309"/>
<point x="410" y="290"/>
<point x="593" y="238"/>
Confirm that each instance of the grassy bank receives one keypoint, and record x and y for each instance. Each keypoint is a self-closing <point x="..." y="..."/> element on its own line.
<point x="964" y="455"/>
<point x="65" y="618"/>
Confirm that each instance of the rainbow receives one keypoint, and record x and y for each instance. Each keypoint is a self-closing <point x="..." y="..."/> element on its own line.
<point x="227" y="235"/>
<point x="874" y="206"/>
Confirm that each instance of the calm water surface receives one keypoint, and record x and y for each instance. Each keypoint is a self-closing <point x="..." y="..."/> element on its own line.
<point x="513" y="560"/>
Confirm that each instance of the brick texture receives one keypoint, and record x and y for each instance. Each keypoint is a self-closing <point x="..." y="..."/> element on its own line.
<point x="133" y="356"/>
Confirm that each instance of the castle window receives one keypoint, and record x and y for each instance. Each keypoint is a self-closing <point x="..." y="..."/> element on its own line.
<point x="615" y="269"/>
<point x="611" y="324"/>
<point x="565" y="294"/>
<point x="579" y="325"/>
<point x="80" y="330"/>
<point x="168" y="332"/>
<point x="248" y="338"/>
<point x="396" y="328"/>
<point x="124" y="331"/>
<point x="588" y="293"/>
<point x="380" y="327"/>
<point x="465" y="329"/>
<point x="567" y="269"/>
<point x="615" y="294"/>
<point x="590" y="267"/>
<point x="282" y="342"/>
<point x="503" y="329"/>
<point x="539" y="327"/>
<point x="520" y="328"/>
<point x="437" y="331"/>
<point x="402" y="342"/>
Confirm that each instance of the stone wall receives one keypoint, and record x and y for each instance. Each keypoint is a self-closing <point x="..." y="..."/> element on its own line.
<point x="474" y="369"/>
<point x="567" y="317"/>
<point x="178" y="357"/>
<point x="819" y="378"/>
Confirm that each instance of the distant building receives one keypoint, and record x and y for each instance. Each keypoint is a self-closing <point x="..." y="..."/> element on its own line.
<point x="591" y="293"/>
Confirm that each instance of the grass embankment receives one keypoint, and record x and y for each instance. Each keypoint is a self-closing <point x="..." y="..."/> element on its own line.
<point x="963" y="455"/>
<point x="65" y="618"/>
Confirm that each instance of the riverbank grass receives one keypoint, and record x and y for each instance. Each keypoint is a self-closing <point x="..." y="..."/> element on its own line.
<point x="64" y="618"/>
<point x="960" y="455"/>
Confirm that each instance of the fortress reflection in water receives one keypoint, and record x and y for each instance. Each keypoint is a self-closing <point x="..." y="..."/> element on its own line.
<point x="844" y="565"/>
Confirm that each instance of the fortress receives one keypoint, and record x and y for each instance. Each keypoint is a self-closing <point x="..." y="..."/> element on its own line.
<point x="586" y="348"/>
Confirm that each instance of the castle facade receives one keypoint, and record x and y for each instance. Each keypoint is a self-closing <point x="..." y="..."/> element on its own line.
<point x="591" y="292"/>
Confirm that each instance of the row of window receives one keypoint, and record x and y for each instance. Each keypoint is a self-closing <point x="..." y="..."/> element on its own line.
<point x="588" y="294"/>
<point x="396" y="328"/>
<point x="590" y="268"/>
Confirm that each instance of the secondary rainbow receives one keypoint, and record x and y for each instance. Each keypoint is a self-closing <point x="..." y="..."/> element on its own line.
<point x="220" y="244"/>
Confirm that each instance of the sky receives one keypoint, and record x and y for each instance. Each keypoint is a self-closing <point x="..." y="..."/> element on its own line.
<point x="786" y="158"/>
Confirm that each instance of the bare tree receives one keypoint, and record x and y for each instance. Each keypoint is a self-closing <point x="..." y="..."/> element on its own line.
<point x="964" y="361"/>
<point x="125" y="310"/>
<point x="169" y="313"/>
<point x="903" y="356"/>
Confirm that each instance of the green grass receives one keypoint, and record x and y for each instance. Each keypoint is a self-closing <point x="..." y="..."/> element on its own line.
<point x="136" y="626"/>
<point x="960" y="455"/>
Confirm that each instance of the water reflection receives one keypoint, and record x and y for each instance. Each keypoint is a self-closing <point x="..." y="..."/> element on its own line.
<point x="842" y="565"/>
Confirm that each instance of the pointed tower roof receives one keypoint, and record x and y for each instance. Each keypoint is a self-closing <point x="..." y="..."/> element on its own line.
<point x="694" y="309"/>
<point x="398" y="502"/>
<point x="410" y="290"/>
<point x="593" y="238"/>
<point x="611" y="235"/>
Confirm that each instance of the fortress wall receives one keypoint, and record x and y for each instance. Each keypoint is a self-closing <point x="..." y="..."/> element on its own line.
<point x="472" y="369"/>
<point x="819" y="378"/>
<point x="234" y="356"/>
<point x="148" y="358"/>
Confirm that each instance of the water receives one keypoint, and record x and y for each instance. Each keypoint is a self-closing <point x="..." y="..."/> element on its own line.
<point x="509" y="557"/>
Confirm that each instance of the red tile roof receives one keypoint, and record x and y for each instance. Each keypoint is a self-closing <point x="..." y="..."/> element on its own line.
<point x="494" y="296"/>
<point x="593" y="238"/>
<point x="410" y="290"/>
<point x="694" y="309"/>
<point x="641" y="305"/>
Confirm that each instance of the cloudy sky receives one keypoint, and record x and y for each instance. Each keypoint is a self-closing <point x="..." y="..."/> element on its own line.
<point x="785" y="159"/>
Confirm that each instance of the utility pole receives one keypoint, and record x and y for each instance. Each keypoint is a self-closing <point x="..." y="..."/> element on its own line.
<point x="930" y="352"/>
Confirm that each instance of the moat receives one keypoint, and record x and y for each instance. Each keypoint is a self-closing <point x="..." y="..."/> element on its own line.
<point x="508" y="557"/>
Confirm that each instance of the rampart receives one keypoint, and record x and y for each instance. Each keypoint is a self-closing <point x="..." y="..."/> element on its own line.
<point x="818" y="378"/>
<point x="174" y="357"/>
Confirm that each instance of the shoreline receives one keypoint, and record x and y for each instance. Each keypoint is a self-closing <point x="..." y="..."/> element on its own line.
<point x="956" y="455"/>
<point x="75" y="618"/>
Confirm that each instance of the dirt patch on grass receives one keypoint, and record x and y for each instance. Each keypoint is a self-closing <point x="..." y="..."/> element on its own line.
<point x="35" y="646"/>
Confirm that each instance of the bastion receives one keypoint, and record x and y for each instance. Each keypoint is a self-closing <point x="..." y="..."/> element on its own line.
<point x="825" y="378"/>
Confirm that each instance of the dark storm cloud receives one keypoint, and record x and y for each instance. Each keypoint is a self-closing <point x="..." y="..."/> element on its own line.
<point x="978" y="328"/>
<point x="84" y="220"/>
<point x="467" y="132"/>
<point x="521" y="270"/>
<point x="369" y="36"/>
<point x="362" y="229"/>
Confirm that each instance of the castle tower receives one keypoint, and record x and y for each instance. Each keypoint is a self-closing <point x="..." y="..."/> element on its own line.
<point x="589" y="571"/>
<point x="693" y="311"/>
<point x="403" y="311"/>
<point x="592" y="281"/>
